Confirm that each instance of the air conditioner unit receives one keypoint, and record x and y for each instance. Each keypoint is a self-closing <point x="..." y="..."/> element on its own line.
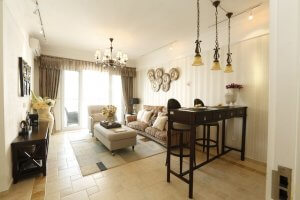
<point x="35" y="46"/>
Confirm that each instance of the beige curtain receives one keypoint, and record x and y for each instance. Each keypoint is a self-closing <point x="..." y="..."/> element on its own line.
<point x="49" y="82"/>
<point x="127" y="87"/>
<point x="77" y="65"/>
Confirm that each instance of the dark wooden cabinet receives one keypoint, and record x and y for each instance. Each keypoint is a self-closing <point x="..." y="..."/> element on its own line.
<point x="29" y="153"/>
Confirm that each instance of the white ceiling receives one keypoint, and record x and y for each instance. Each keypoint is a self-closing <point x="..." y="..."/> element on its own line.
<point x="138" y="26"/>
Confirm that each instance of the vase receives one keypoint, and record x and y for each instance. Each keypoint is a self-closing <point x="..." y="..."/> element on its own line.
<point x="228" y="98"/>
<point x="234" y="92"/>
<point x="46" y="115"/>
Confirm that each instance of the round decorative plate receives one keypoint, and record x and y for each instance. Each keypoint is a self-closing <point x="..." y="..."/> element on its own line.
<point x="159" y="80"/>
<point x="166" y="79"/>
<point x="174" y="73"/>
<point x="165" y="87"/>
<point x="150" y="74"/>
<point x="155" y="86"/>
<point x="159" y="72"/>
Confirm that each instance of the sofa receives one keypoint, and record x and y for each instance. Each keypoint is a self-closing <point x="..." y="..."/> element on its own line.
<point x="147" y="130"/>
<point x="94" y="116"/>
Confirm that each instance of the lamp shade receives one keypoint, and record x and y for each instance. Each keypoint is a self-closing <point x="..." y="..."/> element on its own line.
<point x="228" y="68"/>
<point x="216" y="66"/>
<point x="197" y="60"/>
<point x="134" y="101"/>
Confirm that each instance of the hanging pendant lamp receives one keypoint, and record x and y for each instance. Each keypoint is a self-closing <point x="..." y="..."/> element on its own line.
<point x="198" y="58"/>
<point x="228" y="68"/>
<point x="216" y="63"/>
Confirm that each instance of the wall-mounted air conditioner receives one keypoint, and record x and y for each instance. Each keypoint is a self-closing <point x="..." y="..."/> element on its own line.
<point x="35" y="46"/>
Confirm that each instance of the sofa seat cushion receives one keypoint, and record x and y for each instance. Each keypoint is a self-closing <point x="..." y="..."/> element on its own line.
<point x="162" y="135"/>
<point x="151" y="131"/>
<point x="141" y="126"/>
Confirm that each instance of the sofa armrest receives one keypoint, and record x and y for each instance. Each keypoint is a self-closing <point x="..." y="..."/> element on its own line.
<point x="130" y="118"/>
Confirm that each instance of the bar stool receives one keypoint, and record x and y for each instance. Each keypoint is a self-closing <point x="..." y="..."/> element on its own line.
<point x="205" y="141"/>
<point x="182" y="129"/>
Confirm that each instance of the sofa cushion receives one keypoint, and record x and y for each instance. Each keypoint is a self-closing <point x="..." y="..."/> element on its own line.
<point x="162" y="135"/>
<point x="160" y="122"/>
<point x="155" y="109"/>
<point x="151" y="131"/>
<point x="141" y="126"/>
<point x="140" y="115"/>
<point x="146" y="116"/>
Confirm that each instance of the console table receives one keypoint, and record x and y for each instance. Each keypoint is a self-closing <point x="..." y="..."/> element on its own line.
<point x="29" y="153"/>
<point x="195" y="117"/>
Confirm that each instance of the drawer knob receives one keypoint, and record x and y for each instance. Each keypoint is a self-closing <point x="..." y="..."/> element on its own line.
<point x="220" y="115"/>
<point x="204" y="118"/>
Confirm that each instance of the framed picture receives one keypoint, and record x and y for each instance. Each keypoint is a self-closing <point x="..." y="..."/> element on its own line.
<point x="25" y="77"/>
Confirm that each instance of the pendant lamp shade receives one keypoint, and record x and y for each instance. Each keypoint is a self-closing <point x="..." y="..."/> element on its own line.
<point x="198" y="58"/>
<point x="228" y="68"/>
<point x="216" y="65"/>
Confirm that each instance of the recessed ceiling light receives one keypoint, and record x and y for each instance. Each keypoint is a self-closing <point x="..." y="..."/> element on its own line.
<point x="250" y="15"/>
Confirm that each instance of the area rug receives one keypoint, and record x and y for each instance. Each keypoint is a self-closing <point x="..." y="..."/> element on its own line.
<point x="92" y="156"/>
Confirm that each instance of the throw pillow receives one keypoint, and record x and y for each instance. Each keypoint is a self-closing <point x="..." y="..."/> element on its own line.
<point x="146" y="116"/>
<point x="160" y="122"/>
<point x="140" y="115"/>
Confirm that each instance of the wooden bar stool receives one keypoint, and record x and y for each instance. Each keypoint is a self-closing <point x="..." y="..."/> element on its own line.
<point x="181" y="129"/>
<point x="206" y="141"/>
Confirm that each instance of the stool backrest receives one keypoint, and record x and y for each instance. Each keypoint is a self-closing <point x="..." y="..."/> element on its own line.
<point x="198" y="101"/>
<point x="173" y="104"/>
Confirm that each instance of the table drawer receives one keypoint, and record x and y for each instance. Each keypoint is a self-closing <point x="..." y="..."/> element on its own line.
<point x="217" y="116"/>
<point x="230" y="113"/>
<point x="240" y="112"/>
<point x="204" y="117"/>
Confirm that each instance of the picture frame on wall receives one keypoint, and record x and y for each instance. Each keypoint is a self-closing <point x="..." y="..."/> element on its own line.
<point x="25" y="77"/>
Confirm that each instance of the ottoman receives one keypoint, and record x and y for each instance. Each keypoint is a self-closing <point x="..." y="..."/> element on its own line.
<point x="113" y="139"/>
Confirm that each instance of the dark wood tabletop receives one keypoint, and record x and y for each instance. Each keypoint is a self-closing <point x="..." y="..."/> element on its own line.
<point x="38" y="133"/>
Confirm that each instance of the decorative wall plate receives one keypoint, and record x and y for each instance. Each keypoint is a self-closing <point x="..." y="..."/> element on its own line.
<point x="155" y="86"/>
<point x="166" y="78"/>
<point x="174" y="73"/>
<point x="159" y="72"/>
<point x="165" y="87"/>
<point x="159" y="79"/>
<point x="151" y="74"/>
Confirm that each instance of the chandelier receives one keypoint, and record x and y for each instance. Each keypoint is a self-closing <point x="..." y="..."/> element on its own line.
<point x="108" y="61"/>
<point x="228" y="68"/>
<point x="216" y="63"/>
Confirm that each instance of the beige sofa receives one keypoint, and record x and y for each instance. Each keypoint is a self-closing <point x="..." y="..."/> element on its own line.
<point x="148" y="131"/>
<point x="94" y="116"/>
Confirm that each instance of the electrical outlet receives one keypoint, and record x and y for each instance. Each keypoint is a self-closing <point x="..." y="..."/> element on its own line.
<point x="281" y="183"/>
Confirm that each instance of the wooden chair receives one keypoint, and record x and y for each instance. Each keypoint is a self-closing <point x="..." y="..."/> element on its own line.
<point x="206" y="140"/>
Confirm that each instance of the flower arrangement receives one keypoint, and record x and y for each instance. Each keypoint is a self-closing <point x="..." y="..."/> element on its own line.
<point x="234" y="86"/>
<point x="109" y="112"/>
<point x="38" y="102"/>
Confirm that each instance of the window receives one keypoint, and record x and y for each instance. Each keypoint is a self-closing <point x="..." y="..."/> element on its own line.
<point x="95" y="88"/>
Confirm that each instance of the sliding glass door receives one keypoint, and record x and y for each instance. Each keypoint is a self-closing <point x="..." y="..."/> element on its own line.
<point x="70" y="107"/>
<point x="86" y="88"/>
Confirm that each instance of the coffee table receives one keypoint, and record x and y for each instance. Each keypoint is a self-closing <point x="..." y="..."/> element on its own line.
<point x="114" y="140"/>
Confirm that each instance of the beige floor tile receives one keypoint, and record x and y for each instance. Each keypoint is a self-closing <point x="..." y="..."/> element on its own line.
<point x="107" y="195"/>
<point x="92" y="190"/>
<point x="82" y="195"/>
<point x="83" y="183"/>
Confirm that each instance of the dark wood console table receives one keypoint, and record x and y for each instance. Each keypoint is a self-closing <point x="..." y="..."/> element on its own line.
<point x="29" y="154"/>
<point x="195" y="117"/>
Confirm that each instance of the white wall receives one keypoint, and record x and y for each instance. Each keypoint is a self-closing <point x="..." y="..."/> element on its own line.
<point x="284" y="101"/>
<point x="15" y="44"/>
<point x="250" y="62"/>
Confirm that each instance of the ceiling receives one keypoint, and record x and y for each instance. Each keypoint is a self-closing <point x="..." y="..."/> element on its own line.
<point x="138" y="26"/>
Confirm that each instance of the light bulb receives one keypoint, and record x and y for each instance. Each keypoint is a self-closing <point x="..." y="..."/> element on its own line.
<point x="250" y="16"/>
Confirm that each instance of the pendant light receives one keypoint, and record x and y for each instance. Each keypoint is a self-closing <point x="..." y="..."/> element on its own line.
<point x="216" y="63"/>
<point x="228" y="68"/>
<point x="198" y="58"/>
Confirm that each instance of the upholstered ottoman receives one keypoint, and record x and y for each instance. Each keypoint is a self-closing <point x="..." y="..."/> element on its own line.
<point x="113" y="139"/>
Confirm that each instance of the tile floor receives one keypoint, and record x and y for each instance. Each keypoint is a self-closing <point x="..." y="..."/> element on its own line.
<point x="225" y="178"/>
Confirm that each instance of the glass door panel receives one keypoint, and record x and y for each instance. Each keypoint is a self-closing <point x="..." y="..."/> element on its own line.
<point x="71" y="99"/>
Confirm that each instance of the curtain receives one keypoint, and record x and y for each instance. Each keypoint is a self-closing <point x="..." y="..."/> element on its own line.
<point x="77" y="65"/>
<point x="127" y="87"/>
<point x="49" y="82"/>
